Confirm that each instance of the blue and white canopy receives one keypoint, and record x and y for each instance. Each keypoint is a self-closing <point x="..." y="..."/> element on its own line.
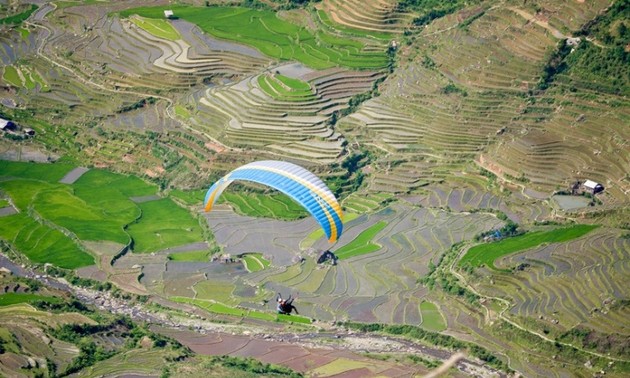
<point x="296" y="182"/>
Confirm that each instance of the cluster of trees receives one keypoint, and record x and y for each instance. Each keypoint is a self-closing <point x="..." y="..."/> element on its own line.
<point x="73" y="279"/>
<point x="440" y="276"/>
<point x="510" y="229"/>
<point x="138" y="104"/>
<point x="604" y="343"/>
<point x="555" y="65"/>
<point x="601" y="66"/>
<point x="90" y="352"/>
<point x="352" y="177"/>
<point x="430" y="10"/>
<point x="18" y="17"/>
<point x="433" y="338"/>
<point x="253" y="366"/>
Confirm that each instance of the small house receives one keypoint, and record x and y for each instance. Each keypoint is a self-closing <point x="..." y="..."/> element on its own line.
<point x="28" y="131"/>
<point x="168" y="13"/>
<point x="6" y="125"/>
<point x="592" y="186"/>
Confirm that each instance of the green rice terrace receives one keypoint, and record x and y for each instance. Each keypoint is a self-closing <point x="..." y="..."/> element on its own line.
<point x="478" y="152"/>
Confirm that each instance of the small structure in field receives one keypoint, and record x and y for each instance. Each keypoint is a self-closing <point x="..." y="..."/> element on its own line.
<point x="592" y="186"/>
<point x="28" y="131"/>
<point x="573" y="42"/>
<point x="168" y="13"/>
<point x="6" y="125"/>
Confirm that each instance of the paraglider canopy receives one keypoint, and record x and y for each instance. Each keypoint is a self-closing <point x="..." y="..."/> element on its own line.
<point x="301" y="185"/>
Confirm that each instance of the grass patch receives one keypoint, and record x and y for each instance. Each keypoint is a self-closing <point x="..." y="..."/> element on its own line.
<point x="219" y="308"/>
<point x="24" y="33"/>
<point x="432" y="319"/>
<point x="86" y="221"/>
<point x="15" y="298"/>
<point x="11" y="76"/>
<point x="274" y="37"/>
<point x="181" y="111"/>
<point x="4" y="203"/>
<point x="283" y="88"/>
<point x="293" y="84"/>
<point x="486" y="254"/>
<point x="190" y="256"/>
<point x="42" y="244"/>
<point x="42" y="172"/>
<point x="163" y="225"/>
<point x="272" y="205"/>
<point x="254" y="262"/>
<point x="159" y="28"/>
<point x="189" y="197"/>
<point x="361" y="244"/>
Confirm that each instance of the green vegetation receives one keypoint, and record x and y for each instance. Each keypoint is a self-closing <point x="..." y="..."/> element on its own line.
<point x="190" y="256"/>
<point x="159" y="28"/>
<point x="366" y="202"/>
<point x="564" y="354"/>
<point x="19" y="17"/>
<point x="429" y="10"/>
<point x="350" y="175"/>
<point x="274" y="37"/>
<point x="251" y="365"/>
<point x="432" y="319"/>
<point x="189" y="197"/>
<point x="486" y="254"/>
<point x="276" y="205"/>
<point x="22" y="76"/>
<point x="603" y="343"/>
<point x="82" y="217"/>
<point x="604" y="68"/>
<point x="14" y="298"/>
<point x="555" y="64"/>
<point x="162" y="225"/>
<point x="24" y="33"/>
<point x="3" y="203"/>
<point x="41" y="243"/>
<point x="181" y="111"/>
<point x="432" y="338"/>
<point x="43" y="172"/>
<point x="219" y="308"/>
<point x="96" y="207"/>
<point x="254" y="262"/>
<point x="361" y="244"/>
<point x="283" y="88"/>
<point x="440" y="275"/>
<point x="11" y="76"/>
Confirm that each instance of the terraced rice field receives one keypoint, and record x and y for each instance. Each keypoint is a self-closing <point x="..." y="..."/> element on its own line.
<point x="288" y="122"/>
<point x="273" y="37"/>
<point x="576" y="283"/>
<point x="376" y="286"/>
<point x="464" y="88"/>
<point x="486" y="254"/>
<point x="375" y="19"/>
<point x="55" y="218"/>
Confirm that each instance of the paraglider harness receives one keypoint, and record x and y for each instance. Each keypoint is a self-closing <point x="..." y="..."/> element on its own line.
<point x="285" y="306"/>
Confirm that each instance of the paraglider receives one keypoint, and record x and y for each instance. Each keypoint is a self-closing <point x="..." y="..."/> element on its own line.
<point x="296" y="182"/>
<point x="285" y="306"/>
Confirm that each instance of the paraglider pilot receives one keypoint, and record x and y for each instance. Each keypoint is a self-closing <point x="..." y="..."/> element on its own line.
<point x="285" y="306"/>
